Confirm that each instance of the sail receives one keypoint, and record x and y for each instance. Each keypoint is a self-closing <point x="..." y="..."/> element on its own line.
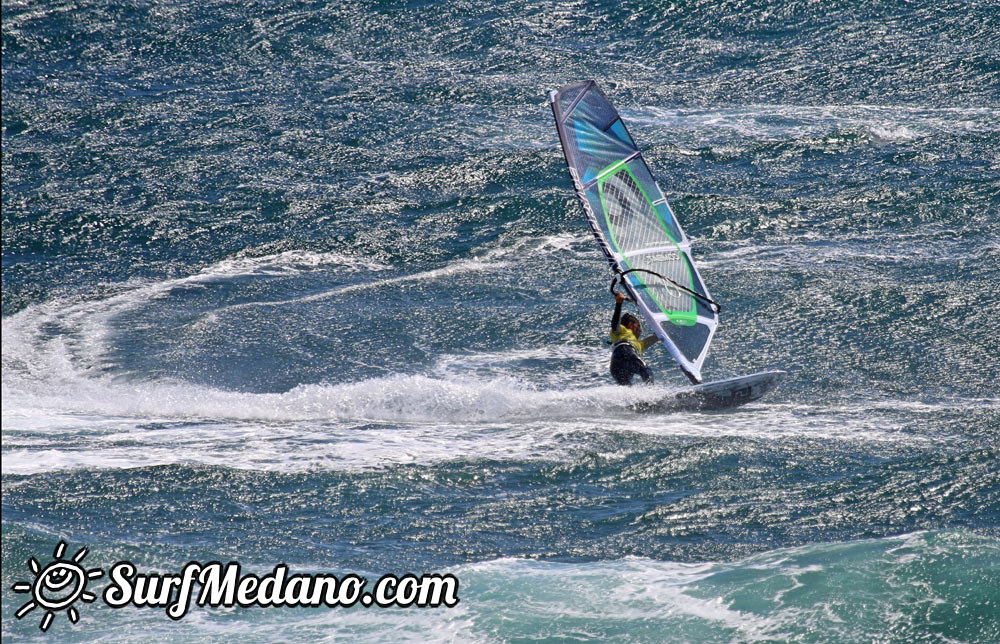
<point x="634" y="225"/>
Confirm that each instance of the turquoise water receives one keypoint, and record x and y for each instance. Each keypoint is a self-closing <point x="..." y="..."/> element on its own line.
<point x="299" y="283"/>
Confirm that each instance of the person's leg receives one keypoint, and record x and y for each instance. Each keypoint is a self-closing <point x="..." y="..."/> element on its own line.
<point x="620" y="370"/>
<point x="625" y="364"/>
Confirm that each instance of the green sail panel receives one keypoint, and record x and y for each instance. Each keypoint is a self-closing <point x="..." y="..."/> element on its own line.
<point x="634" y="225"/>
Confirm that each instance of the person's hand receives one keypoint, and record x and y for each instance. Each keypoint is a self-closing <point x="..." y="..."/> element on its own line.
<point x="619" y="297"/>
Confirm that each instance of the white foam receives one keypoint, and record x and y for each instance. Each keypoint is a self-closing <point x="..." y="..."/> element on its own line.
<point x="893" y="132"/>
<point x="782" y="122"/>
<point x="62" y="344"/>
<point x="630" y="589"/>
<point x="63" y="409"/>
<point x="807" y="254"/>
<point x="66" y="340"/>
<point x="449" y="270"/>
<point x="386" y="421"/>
<point x="491" y="260"/>
<point x="651" y="600"/>
<point x="291" y="261"/>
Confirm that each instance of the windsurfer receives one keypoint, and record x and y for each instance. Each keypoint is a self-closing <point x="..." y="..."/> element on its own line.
<point x="627" y="347"/>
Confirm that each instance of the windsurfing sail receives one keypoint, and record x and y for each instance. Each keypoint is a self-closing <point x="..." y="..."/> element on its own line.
<point x="634" y="225"/>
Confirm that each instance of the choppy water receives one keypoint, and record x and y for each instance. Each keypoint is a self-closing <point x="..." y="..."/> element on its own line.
<point x="299" y="283"/>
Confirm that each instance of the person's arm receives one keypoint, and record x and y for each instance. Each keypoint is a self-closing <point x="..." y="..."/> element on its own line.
<point x="649" y="341"/>
<point x="617" y="317"/>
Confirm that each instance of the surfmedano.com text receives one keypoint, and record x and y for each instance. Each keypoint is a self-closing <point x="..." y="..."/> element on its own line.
<point x="221" y="585"/>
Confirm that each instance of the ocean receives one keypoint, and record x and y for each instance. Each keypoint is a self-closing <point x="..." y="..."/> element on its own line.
<point x="305" y="284"/>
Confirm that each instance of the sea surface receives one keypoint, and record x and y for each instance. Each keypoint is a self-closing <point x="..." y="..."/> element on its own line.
<point x="306" y="283"/>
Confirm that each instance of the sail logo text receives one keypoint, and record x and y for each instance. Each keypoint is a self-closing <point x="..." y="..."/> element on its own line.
<point x="225" y="585"/>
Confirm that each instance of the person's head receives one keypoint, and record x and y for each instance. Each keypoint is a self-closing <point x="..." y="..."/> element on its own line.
<point x="631" y="323"/>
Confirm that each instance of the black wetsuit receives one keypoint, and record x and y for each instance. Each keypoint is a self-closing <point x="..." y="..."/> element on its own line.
<point x="625" y="360"/>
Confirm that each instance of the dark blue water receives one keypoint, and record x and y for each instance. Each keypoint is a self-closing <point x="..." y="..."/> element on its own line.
<point x="299" y="283"/>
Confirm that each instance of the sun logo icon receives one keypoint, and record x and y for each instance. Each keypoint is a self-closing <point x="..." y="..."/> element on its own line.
<point x="57" y="586"/>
